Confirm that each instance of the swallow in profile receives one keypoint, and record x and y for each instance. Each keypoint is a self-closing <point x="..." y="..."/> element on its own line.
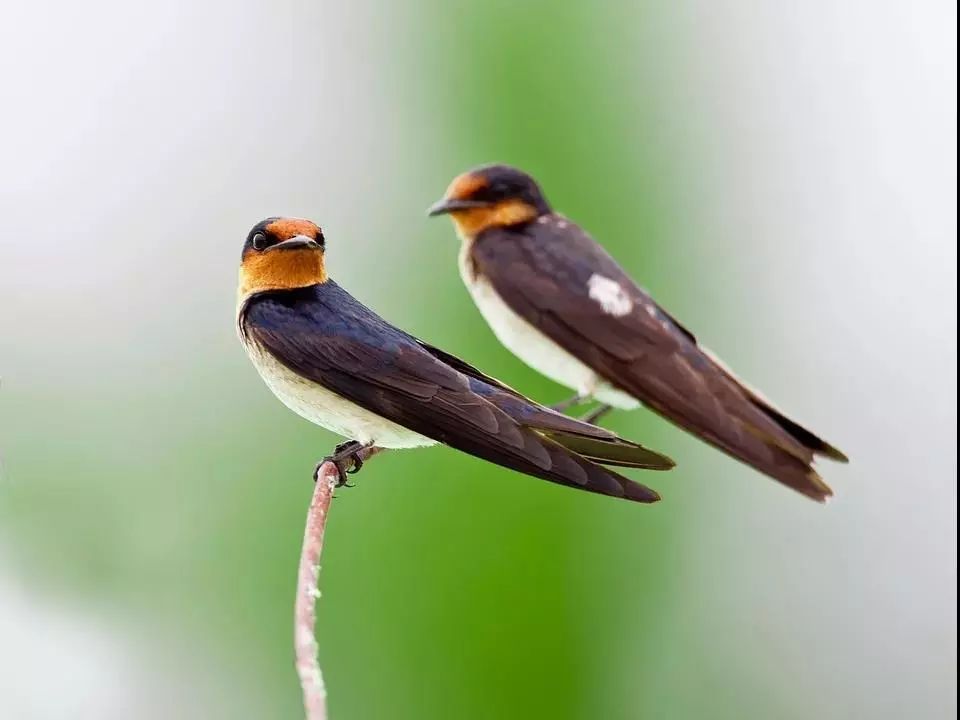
<point x="338" y="364"/>
<point x="561" y="303"/>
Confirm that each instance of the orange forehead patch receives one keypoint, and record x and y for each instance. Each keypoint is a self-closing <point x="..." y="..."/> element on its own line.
<point x="463" y="186"/>
<point x="286" y="228"/>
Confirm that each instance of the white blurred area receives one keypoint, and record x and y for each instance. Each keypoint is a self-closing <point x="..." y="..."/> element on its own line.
<point x="145" y="137"/>
<point x="67" y="666"/>
<point x="67" y="663"/>
<point x="828" y="242"/>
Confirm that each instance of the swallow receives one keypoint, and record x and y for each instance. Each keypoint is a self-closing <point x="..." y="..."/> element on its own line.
<point x="338" y="364"/>
<point x="556" y="299"/>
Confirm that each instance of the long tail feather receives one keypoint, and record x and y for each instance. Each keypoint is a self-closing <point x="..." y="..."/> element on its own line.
<point x="617" y="452"/>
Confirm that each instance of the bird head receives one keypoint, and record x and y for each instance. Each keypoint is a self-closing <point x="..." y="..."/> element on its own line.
<point x="491" y="196"/>
<point x="282" y="254"/>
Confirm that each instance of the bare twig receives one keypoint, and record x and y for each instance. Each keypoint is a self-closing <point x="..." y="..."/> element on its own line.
<point x="305" y="610"/>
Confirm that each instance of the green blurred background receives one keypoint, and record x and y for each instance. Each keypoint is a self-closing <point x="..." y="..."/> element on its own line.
<point x="783" y="179"/>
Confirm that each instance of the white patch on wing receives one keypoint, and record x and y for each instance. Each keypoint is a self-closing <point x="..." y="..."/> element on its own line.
<point x="610" y="295"/>
<point x="532" y="346"/>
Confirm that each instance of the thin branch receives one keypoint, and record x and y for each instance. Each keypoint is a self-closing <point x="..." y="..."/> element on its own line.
<point x="305" y="610"/>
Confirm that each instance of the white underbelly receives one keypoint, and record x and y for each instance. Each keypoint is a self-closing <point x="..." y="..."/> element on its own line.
<point x="533" y="347"/>
<point x="329" y="410"/>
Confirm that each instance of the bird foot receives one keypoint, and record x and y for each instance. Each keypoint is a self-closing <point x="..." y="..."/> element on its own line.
<point x="594" y="415"/>
<point x="347" y="457"/>
<point x="567" y="404"/>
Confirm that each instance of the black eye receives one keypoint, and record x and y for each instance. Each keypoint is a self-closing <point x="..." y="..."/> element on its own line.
<point x="259" y="241"/>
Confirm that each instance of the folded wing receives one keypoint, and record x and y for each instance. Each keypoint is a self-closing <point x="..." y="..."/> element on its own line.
<point x="549" y="278"/>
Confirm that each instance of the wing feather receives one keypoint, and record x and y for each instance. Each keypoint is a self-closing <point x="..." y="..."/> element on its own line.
<point x="544" y="273"/>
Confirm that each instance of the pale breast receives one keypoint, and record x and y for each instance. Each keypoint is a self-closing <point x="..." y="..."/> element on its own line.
<point x="531" y="345"/>
<point x="327" y="409"/>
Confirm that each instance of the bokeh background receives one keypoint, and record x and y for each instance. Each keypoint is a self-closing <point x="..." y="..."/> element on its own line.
<point x="782" y="176"/>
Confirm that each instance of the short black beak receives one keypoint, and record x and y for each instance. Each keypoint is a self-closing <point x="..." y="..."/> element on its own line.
<point x="295" y="243"/>
<point x="449" y="205"/>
